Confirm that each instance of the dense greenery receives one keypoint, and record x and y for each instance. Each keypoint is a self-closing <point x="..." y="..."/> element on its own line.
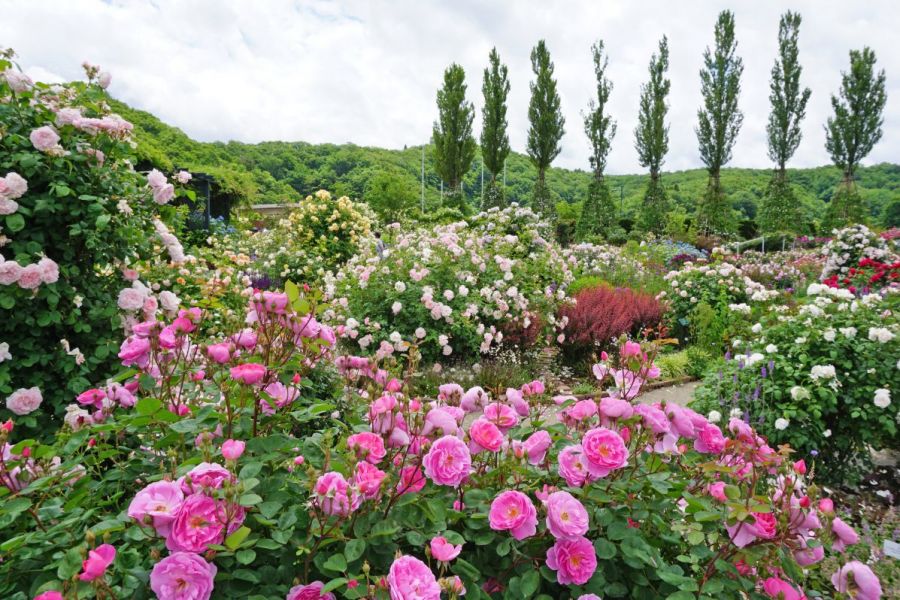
<point x="547" y="126"/>
<point x="454" y="146"/>
<point x="286" y="171"/>
<point x="494" y="139"/>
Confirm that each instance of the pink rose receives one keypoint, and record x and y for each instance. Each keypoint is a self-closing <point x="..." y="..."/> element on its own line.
<point x="443" y="550"/>
<point x="573" y="466"/>
<point x="844" y="534"/>
<point x="206" y="475"/>
<point x="18" y="82"/>
<point x="93" y="397"/>
<point x="809" y="556"/>
<point x="30" y="277"/>
<point x="411" y="481"/>
<point x="826" y="505"/>
<point x="24" y="401"/>
<point x="573" y="560"/>
<point x="764" y="526"/>
<point x="10" y="271"/>
<point x="717" y="491"/>
<point x="183" y="177"/>
<point x="248" y="373"/>
<point x="220" y="353"/>
<point x="501" y="415"/>
<point x="566" y="516"/>
<point x="368" y="478"/>
<point x="536" y="446"/>
<point x="857" y="579"/>
<point x="312" y="591"/>
<point x="232" y="449"/>
<point x="604" y="451"/>
<point x="334" y="495"/>
<point x="183" y="576"/>
<point x="49" y="270"/>
<point x="630" y="349"/>
<point x="473" y="399"/>
<point x="200" y="521"/>
<point x="156" y="179"/>
<point x="160" y="502"/>
<point x="131" y="299"/>
<point x="162" y="195"/>
<point x="7" y="207"/>
<point x="97" y="561"/>
<point x="781" y="589"/>
<point x="709" y="440"/>
<point x="16" y="186"/>
<point x="367" y="446"/>
<point x="514" y="512"/>
<point x="484" y="435"/>
<point x="135" y="351"/>
<point x="49" y="595"/>
<point x="44" y="138"/>
<point x="448" y="461"/>
<point x="411" y="579"/>
<point x="615" y="408"/>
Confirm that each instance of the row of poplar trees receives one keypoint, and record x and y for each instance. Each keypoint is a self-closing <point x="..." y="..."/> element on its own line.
<point x="851" y="132"/>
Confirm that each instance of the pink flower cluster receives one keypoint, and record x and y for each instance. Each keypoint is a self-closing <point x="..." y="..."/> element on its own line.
<point x="162" y="190"/>
<point x="30" y="277"/>
<point x="12" y="187"/>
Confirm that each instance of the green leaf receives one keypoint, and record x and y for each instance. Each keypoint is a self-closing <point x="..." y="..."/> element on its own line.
<point x="147" y="406"/>
<point x="333" y="585"/>
<point x="250" y="499"/>
<point x="604" y="548"/>
<point x="245" y="556"/>
<point x="531" y="580"/>
<point x="15" y="222"/>
<point x="465" y="569"/>
<point x="234" y="540"/>
<point x="354" y="549"/>
<point x="336" y="562"/>
<point x="16" y="506"/>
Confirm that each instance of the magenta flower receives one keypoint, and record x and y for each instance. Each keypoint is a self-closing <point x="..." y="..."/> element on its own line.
<point x="443" y="550"/>
<point x="484" y="435"/>
<point x="858" y="580"/>
<point x="573" y="560"/>
<point x="573" y="466"/>
<point x="183" y="576"/>
<point x="709" y="440"/>
<point x="536" y="446"/>
<point x="604" y="451"/>
<point x="199" y="522"/>
<point x="566" y="516"/>
<point x="368" y="478"/>
<point x="448" y="461"/>
<point x="411" y="579"/>
<point x="160" y="501"/>
<point x="368" y="446"/>
<point x="312" y="591"/>
<point x="334" y="496"/>
<point x="249" y="373"/>
<point x="49" y="595"/>
<point x="233" y="449"/>
<point x="514" y="512"/>
<point x="781" y="589"/>
<point x="97" y="561"/>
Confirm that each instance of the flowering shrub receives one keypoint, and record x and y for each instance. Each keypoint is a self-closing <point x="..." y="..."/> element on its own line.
<point x="790" y="270"/>
<point x="316" y="237"/>
<point x="868" y="276"/>
<point x="819" y="378"/>
<point x="451" y="288"/>
<point x="215" y="493"/>
<point x="599" y="315"/>
<point x="850" y="245"/>
<point x="717" y="285"/>
<point x="75" y="215"/>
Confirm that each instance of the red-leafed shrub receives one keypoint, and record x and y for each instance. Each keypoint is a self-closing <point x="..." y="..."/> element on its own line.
<point x="516" y="333"/>
<point x="603" y="314"/>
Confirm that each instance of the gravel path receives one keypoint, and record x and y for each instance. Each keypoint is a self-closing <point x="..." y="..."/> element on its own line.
<point x="679" y="394"/>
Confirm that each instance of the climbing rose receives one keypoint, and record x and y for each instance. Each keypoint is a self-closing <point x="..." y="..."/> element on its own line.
<point x="536" y="446"/>
<point x="49" y="595"/>
<point x="566" y="516"/>
<point x="443" y="550"/>
<point x="514" y="512"/>
<point x="367" y="478"/>
<point x="206" y="475"/>
<point x="764" y="527"/>
<point x="249" y="373"/>
<point x="448" y="461"/>
<point x="604" y="451"/>
<point x="24" y="401"/>
<point x="573" y="560"/>
<point x="183" y="576"/>
<point x="160" y="501"/>
<point x="864" y="586"/>
<point x="484" y="435"/>
<point x="334" y="495"/>
<point x="198" y="523"/>
<point x="313" y="591"/>
<point x="97" y="561"/>
<point x="30" y="277"/>
<point x="845" y="535"/>
<point x="232" y="449"/>
<point x="410" y="579"/>
<point x="573" y="466"/>
<point x="44" y="138"/>
<point x="709" y="440"/>
<point x="368" y="446"/>
<point x="781" y="589"/>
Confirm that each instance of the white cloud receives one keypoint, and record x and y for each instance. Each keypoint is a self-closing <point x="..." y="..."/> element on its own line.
<point x="367" y="72"/>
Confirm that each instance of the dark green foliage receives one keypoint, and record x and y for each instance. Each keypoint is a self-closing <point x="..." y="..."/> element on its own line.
<point x="853" y="131"/>
<point x="493" y="196"/>
<point x="652" y="139"/>
<point x="391" y="194"/>
<point x="454" y="146"/>
<point x="780" y="210"/>
<point x="718" y="121"/>
<point x="494" y="139"/>
<point x="654" y="208"/>
<point x="599" y="212"/>
<point x="547" y="125"/>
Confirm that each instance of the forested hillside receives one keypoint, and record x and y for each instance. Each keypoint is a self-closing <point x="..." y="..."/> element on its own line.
<point x="273" y="172"/>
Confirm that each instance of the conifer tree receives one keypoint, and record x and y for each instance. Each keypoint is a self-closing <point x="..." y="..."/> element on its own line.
<point x="779" y="210"/>
<point x="651" y="140"/>
<point x="454" y="146"/>
<point x="853" y="131"/>
<point x="547" y="126"/>
<point x="719" y="122"/>
<point x="598" y="214"/>
<point x="494" y="139"/>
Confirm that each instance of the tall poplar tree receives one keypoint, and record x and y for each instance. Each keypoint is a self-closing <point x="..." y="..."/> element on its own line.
<point x="651" y="139"/>
<point x="719" y="122"/>
<point x="779" y="210"/>
<point x="598" y="214"/>
<point x="853" y="131"/>
<point x="547" y="126"/>
<point x="454" y="146"/>
<point x="494" y="139"/>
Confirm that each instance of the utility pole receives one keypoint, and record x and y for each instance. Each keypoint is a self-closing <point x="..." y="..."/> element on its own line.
<point x="482" y="181"/>
<point x="423" y="179"/>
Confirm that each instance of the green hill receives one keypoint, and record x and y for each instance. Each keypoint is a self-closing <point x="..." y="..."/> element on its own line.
<point x="275" y="172"/>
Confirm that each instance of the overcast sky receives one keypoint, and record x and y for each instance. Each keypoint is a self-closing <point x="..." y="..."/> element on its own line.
<point x="367" y="71"/>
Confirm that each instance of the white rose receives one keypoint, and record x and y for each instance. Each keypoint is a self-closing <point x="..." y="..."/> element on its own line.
<point x="882" y="398"/>
<point x="781" y="424"/>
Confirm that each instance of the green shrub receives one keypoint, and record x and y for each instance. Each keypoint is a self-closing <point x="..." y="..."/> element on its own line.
<point x="585" y="282"/>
